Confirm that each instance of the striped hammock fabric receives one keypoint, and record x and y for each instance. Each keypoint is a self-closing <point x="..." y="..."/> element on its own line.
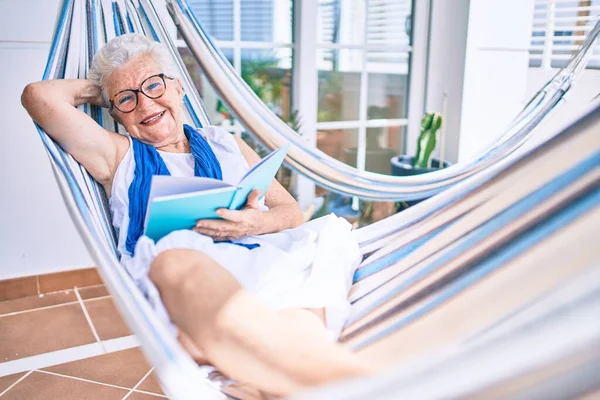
<point x="488" y="268"/>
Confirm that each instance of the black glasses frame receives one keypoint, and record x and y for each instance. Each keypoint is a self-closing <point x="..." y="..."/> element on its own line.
<point x="140" y="90"/>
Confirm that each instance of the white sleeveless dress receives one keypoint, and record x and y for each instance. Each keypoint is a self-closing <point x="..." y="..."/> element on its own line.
<point x="310" y="266"/>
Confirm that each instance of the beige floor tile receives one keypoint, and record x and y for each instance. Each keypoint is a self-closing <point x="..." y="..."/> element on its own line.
<point x="6" y="381"/>
<point x="143" y="396"/>
<point x="150" y="384"/>
<point x="69" y="279"/>
<point x="41" y="386"/>
<point x="93" y="291"/>
<point x="15" y="288"/>
<point x="42" y="331"/>
<point x="106" y="319"/>
<point x="33" y="302"/>
<point x="122" y="368"/>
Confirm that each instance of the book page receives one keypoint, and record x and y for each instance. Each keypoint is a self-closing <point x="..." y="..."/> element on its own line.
<point x="169" y="185"/>
<point x="259" y="177"/>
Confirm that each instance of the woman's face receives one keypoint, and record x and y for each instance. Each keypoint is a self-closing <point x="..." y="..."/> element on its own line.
<point x="156" y="122"/>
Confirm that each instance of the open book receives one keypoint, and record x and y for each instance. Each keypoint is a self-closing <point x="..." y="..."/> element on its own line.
<point x="178" y="202"/>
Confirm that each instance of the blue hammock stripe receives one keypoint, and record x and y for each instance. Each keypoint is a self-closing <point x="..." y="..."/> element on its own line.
<point x="498" y="259"/>
<point x="494" y="224"/>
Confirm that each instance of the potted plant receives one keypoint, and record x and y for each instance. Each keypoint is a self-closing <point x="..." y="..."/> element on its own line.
<point x="422" y="162"/>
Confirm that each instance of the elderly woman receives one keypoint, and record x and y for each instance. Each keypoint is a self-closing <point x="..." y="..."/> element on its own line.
<point x="263" y="315"/>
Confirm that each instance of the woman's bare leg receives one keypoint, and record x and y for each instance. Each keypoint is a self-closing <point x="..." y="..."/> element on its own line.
<point x="290" y="315"/>
<point x="277" y="352"/>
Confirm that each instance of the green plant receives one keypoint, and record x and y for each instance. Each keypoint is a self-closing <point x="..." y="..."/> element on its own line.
<point x="330" y="96"/>
<point x="265" y="80"/>
<point x="430" y="124"/>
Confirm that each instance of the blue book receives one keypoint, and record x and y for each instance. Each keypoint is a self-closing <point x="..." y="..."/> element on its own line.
<point x="179" y="202"/>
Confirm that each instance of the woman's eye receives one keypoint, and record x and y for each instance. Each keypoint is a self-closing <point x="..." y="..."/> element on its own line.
<point x="125" y="99"/>
<point x="153" y="86"/>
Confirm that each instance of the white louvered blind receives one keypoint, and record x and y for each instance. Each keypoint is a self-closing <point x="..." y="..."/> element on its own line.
<point x="216" y="17"/>
<point x="388" y="25"/>
<point x="379" y="29"/>
<point x="559" y="27"/>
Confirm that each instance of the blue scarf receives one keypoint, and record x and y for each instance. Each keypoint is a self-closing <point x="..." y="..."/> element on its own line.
<point x="148" y="162"/>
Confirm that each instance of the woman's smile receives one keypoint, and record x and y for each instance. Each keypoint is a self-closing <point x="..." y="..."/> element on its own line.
<point x="153" y="119"/>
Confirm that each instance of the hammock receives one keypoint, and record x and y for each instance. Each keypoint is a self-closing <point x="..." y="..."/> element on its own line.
<point x="525" y="222"/>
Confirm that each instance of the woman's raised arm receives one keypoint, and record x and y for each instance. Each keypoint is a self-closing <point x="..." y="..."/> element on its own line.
<point x="52" y="104"/>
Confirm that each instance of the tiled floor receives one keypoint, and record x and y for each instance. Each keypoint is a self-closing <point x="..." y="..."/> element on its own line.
<point x="71" y="344"/>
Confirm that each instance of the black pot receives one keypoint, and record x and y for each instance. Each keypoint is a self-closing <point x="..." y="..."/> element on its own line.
<point x="402" y="166"/>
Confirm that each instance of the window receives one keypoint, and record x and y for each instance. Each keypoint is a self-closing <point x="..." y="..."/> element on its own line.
<point x="559" y="27"/>
<point x="256" y="37"/>
<point x="363" y="53"/>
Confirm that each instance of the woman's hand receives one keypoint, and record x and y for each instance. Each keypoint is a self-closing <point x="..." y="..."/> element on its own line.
<point x="284" y="212"/>
<point x="235" y="224"/>
<point x="92" y="93"/>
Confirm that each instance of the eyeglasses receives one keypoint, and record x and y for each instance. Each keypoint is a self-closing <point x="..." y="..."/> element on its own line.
<point x="153" y="87"/>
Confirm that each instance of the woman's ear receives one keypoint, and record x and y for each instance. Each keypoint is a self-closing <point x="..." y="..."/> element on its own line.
<point x="179" y="87"/>
<point x="179" y="91"/>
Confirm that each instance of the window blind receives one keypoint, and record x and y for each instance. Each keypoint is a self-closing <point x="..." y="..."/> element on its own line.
<point x="559" y="27"/>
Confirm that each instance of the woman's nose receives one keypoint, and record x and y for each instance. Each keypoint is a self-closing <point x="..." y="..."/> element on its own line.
<point x="144" y="101"/>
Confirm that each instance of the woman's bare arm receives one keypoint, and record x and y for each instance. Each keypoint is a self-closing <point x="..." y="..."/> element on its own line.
<point x="52" y="104"/>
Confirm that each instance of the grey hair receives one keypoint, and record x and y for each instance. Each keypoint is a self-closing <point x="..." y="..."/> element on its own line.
<point x="122" y="49"/>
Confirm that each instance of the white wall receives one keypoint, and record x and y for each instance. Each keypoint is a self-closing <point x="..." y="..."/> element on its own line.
<point x="446" y="64"/>
<point x="496" y="68"/>
<point x="478" y="62"/>
<point x="36" y="233"/>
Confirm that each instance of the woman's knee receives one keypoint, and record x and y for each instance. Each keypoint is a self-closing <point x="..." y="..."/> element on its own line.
<point x="192" y="286"/>
<point x="173" y="267"/>
<point x="186" y="271"/>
